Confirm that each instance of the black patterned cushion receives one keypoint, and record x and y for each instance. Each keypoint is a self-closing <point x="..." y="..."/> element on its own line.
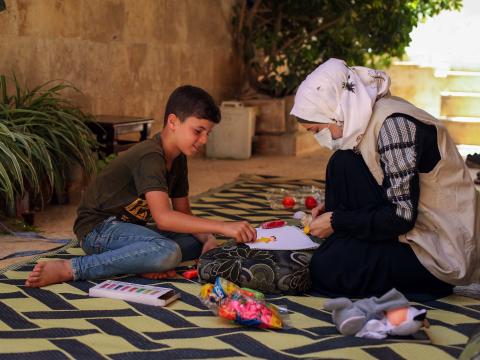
<point x="269" y="271"/>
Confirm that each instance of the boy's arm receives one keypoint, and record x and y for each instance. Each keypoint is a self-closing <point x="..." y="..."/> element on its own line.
<point x="183" y="205"/>
<point x="170" y="219"/>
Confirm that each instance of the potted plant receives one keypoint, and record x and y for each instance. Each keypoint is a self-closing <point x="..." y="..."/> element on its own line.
<point x="42" y="133"/>
<point x="282" y="41"/>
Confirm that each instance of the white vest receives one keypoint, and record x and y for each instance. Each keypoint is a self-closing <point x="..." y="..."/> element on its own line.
<point x="446" y="235"/>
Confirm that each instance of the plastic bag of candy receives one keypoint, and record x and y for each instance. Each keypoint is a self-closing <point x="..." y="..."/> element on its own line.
<point x="243" y="306"/>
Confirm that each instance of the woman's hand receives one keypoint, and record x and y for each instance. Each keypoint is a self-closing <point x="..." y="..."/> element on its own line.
<point x="318" y="210"/>
<point x="321" y="225"/>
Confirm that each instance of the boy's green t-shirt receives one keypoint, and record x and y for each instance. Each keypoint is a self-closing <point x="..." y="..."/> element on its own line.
<point x="120" y="189"/>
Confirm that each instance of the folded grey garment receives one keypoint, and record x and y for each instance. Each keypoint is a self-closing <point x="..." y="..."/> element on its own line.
<point x="374" y="307"/>
<point x="472" y="290"/>
<point x="349" y="317"/>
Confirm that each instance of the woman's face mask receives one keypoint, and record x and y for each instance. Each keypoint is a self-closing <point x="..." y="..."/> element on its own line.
<point x="324" y="138"/>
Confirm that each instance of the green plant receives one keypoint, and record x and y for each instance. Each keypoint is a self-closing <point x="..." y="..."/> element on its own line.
<point x="282" y="41"/>
<point x="41" y="134"/>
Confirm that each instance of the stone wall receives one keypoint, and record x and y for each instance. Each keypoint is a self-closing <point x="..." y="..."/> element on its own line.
<point x="126" y="56"/>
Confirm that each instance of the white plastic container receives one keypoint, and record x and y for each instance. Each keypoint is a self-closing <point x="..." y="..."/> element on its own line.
<point x="232" y="138"/>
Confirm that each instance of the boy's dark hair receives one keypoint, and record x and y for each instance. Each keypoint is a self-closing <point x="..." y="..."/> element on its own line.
<point x="188" y="100"/>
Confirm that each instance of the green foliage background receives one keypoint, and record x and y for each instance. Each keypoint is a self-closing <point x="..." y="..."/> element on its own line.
<point x="282" y="41"/>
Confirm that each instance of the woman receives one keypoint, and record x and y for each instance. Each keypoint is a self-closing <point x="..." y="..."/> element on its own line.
<point x="400" y="207"/>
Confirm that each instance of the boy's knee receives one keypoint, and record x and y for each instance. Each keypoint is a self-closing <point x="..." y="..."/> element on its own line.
<point x="167" y="256"/>
<point x="174" y="256"/>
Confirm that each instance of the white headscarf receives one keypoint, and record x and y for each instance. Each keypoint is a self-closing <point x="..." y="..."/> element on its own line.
<point x="336" y="93"/>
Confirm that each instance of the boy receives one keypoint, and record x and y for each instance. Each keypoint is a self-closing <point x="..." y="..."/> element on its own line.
<point x="149" y="181"/>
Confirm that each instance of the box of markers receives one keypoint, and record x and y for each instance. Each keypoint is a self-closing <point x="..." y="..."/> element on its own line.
<point x="145" y="294"/>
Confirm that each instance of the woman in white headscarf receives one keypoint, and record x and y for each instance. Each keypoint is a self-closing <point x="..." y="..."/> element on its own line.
<point x="400" y="207"/>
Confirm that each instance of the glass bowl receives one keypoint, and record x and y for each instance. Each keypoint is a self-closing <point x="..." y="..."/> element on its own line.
<point x="293" y="198"/>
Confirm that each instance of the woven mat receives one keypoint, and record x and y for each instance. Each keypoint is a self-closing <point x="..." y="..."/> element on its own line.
<point x="62" y="322"/>
<point x="15" y="249"/>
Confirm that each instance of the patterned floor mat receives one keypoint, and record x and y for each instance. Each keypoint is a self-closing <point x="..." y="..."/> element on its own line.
<point x="62" y="322"/>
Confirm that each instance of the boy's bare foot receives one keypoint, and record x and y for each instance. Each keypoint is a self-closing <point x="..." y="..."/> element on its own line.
<point x="50" y="272"/>
<point x="160" y="275"/>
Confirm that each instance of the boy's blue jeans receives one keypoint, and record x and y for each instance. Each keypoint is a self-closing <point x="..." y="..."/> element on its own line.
<point x="116" y="247"/>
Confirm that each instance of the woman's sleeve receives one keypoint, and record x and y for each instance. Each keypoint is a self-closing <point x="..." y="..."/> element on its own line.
<point x="397" y="146"/>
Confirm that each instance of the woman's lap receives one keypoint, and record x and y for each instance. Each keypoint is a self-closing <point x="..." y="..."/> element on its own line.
<point x="354" y="268"/>
<point x="346" y="266"/>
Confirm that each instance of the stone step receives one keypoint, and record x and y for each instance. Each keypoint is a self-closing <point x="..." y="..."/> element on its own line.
<point x="295" y="143"/>
<point x="460" y="104"/>
<point x="463" y="130"/>
<point x="462" y="81"/>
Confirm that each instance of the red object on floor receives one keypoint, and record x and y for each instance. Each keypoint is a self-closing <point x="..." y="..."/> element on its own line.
<point x="159" y="275"/>
<point x="190" y="274"/>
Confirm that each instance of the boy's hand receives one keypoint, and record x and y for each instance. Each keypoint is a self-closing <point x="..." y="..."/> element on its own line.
<point x="318" y="210"/>
<point x="241" y="231"/>
<point x="211" y="243"/>
<point x="321" y="226"/>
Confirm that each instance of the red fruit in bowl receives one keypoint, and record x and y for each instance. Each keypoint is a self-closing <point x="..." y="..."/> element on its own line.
<point x="310" y="202"/>
<point x="288" y="202"/>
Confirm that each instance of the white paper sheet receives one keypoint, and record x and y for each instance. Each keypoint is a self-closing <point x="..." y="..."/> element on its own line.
<point x="282" y="238"/>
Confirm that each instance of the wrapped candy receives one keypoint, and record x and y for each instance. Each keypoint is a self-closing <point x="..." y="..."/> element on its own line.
<point x="305" y="220"/>
<point x="211" y="295"/>
<point x="243" y="306"/>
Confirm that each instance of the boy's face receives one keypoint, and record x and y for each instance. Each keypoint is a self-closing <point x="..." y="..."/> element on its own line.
<point x="192" y="134"/>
